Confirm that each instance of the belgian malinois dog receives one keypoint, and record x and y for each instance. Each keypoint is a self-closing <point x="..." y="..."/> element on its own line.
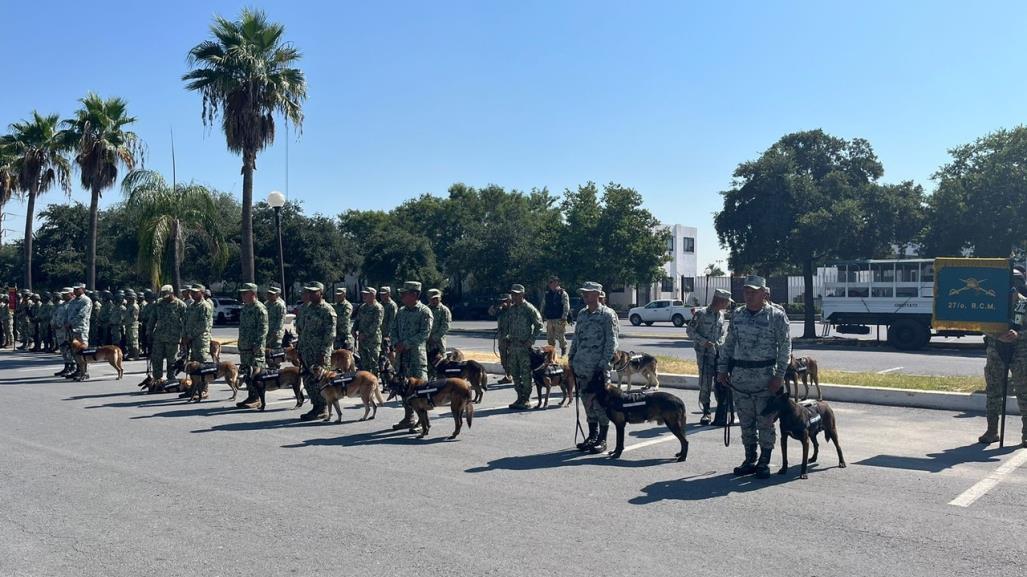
<point x="471" y="371"/>
<point x="363" y="384"/>
<point x="84" y="356"/>
<point x="284" y="377"/>
<point x="546" y="371"/>
<point x="423" y="396"/>
<point x="342" y="359"/>
<point x="807" y="369"/>
<point x="802" y="421"/>
<point x="226" y="370"/>
<point x="655" y="406"/>
<point x="627" y="364"/>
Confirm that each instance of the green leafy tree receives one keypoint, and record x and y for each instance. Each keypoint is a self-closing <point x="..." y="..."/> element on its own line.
<point x="245" y="74"/>
<point x="393" y="255"/>
<point x="38" y="147"/>
<point x="59" y="240"/>
<point x="167" y="216"/>
<point x="8" y="182"/>
<point x="101" y="143"/>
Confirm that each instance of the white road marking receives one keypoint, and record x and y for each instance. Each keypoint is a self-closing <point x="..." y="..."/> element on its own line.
<point x="988" y="483"/>
<point x="664" y="439"/>
<point x="891" y="370"/>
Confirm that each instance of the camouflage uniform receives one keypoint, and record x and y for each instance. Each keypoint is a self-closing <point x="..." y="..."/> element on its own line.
<point x="116" y="320"/>
<point x="131" y="328"/>
<point x="369" y="335"/>
<point x="997" y="369"/>
<point x="316" y="326"/>
<point x="33" y="319"/>
<point x="441" y="317"/>
<point x="167" y="322"/>
<point x="411" y="329"/>
<point x="6" y="323"/>
<point x="77" y="322"/>
<point x="44" y="318"/>
<point x="523" y="324"/>
<point x="388" y="318"/>
<point x="21" y="318"/>
<point x="95" y="330"/>
<point x="103" y="318"/>
<point x="760" y="339"/>
<point x="59" y="321"/>
<point x="275" y="323"/>
<point x="706" y="329"/>
<point x="343" y="324"/>
<point x="145" y="312"/>
<point x="595" y="340"/>
<point x="198" y="322"/>
<point x="253" y="329"/>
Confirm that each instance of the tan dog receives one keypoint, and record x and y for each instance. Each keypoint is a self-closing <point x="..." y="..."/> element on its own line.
<point x="627" y="364"/>
<point x="546" y="371"/>
<point x="226" y="370"/>
<point x="453" y="365"/>
<point x="109" y="354"/>
<point x="335" y="386"/>
<point x="805" y="368"/>
<point x="215" y="351"/>
<point x="285" y="377"/>
<point x="422" y="396"/>
<point x="342" y="360"/>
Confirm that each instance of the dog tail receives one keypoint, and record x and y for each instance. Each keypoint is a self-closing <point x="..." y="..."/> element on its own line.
<point x="378" y="394"/>
<point x="469" y="413"/>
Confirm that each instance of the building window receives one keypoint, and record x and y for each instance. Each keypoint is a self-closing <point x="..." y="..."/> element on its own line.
<point x="617" y="288"/>
<point x="667" y="285"/>
<point x="688" y="244"/>
<point x="688" y="284"/>
<point x="670" y="245"/>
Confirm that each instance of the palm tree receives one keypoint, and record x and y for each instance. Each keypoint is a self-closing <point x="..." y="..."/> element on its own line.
<point x="38" y="146"/>
<point x="8" y="182"/>
<point x="167" y="215"/>
<point x="245" y="75"/>
<point x="101" y="143"/>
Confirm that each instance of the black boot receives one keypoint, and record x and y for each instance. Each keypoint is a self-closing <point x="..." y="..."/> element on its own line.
<point x="600" y="444"/>
<point x="705" y="420"/>
<point x="317" y="413"/>
<point x="763" y="465"/>
<point x="82" y="377"/>
<point x="67" y="369"/>
<point x="593" y="432"/>
<point x="748" y="467"/>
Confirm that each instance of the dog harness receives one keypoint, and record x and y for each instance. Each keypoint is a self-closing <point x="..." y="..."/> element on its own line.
<point x="89" y="353"/>
<point x="811" y="413"/>
<point x="206" y="369"/>
<point x="553" y="370"/>
<point x="267" y="376"/>
<point x="276" y="355"/>
<point x="344" y="380"/>
<point x="632" y="405"/>
<point x="454" y="369"/>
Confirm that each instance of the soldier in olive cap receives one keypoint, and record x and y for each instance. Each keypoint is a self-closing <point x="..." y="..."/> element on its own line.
<point x="198" y="323"/>
<point x="167" y="320"/>
<point x="343" y="320"/>
<point x="316" y="327"/>
<point x="253" y="331"/>
<point x="116" y="319"/>
<point x="43" y="317"/>
<point x="499" y="310"/>
<point x="441" y="318"/>
<point x="706" y="329"/>
<point x="95" y="329"/>
<point x="369" y="330"/>
<point x="523" y="324"/>
<point x="131" y="325"/>
<point x="146" y="322"/>
<point x="591" y="351"/>
<point x="34" y="318"/>
<point x="389" y="309"/>
<point x="21" y="319"/>
<point x="6" y="323"/>
<point x="409" y="335"/>
<point x="275" y="318"/>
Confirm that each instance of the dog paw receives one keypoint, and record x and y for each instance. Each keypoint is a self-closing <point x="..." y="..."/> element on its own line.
<point x="614" y="454"/>
<point x="842" y="465"/>
<point x="783" y="471"/>
<point x="804" y="476"/>
<point x="451" y="437"/>
<point x="813" y="460"/>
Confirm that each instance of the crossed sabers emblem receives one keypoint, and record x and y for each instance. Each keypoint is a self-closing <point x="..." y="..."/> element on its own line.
<point x="972" y="284"/>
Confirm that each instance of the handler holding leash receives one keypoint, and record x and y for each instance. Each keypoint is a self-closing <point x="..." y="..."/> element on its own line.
<point x="706" y="329"/>
<point x="253" y="330"/>
<point x="752" y="363"/>
<point x="595" y="340"/>
<point x="316" y="327"/>
<point x="1007" y="352"/>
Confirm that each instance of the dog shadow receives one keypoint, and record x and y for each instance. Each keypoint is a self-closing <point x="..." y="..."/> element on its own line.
<point x="948" y="458"/>
<point x="564" y="458"/>
<point x="707" y="485"/>
<point x="149" y="401"/>
<point x="286" y="423"/>
<point x="195" y="411"/>
<point x="381" y="437"/>
<point x="101" y="396"/>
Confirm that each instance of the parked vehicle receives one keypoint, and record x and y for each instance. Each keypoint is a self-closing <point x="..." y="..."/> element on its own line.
<point x="661" y="311"/>
<point x="473" y="308"/>
<point x="226" y="310"/>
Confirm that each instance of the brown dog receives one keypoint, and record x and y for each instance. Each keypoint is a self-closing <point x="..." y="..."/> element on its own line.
<point x="802" y="421"/>
<point x="215" y="351"/>
<point x="807" y="369"/>
<point x="623" y="408"/>
<point x="546" y="371"/>
<point x="446" y="366"/>
<point x="284" y="377"/>
<point x="627" y="364"/>
<point x="335" y="386"/>
<point x="84" y="356"/>
<point x="422" y="396"/>
<point x="228" y="371"/>
<point x="342" y="359"/>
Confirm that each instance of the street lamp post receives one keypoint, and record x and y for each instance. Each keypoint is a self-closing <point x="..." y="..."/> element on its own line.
<point x="277" y="201"/>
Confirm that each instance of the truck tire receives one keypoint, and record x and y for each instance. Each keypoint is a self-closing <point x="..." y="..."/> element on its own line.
<point x="678" y="320"/>
<point x="908" y="335"/>
<point x="636" y="320"/>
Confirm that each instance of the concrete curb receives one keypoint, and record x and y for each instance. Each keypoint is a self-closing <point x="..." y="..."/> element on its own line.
<point x="938" y="400"/>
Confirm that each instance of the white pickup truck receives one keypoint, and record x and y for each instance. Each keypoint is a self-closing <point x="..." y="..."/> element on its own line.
<point x="661" y="311"/>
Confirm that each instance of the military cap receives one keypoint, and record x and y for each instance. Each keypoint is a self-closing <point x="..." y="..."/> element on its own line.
<point x="410" y="286"/>
<point x="591" y="287"/>
<point x="504" y="297"/>
<point x="197" y="288"/>
<point x="517" y="289"/>
<point x="35" y="296"/>
<point x="368" y="290"/>
<point x="384" y="290"/>
<point x="314" y="286"/>
<point x="722" y="294"/>
<point x="130" y="294"/>
<point x="248" y="288"/>
<point x="147" y="292"/>
<point x="67" y="289"/>
<point x="341" y="290"/>
<point x="80" y="285"/>
<point x="432" y="293"/>
<point x="755" y="282"/>
<point x="273" y="290"/>
<point x="167" y="289"/>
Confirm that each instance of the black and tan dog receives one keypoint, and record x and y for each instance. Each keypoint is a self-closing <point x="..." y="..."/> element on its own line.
<point x="652" y="406"/>
<point x="422" y="396"/>
<point x="453" y="366"/>
<point x="363" y="384"/>
<point x="196" y="372"/>
<point x="546" y="371"/>
<point x="802" y="421"/>
<point x="84" y="356"/>
<point x="628" y="363"/>
<point x="804" y="368"/>
<point x="285" y="377"/>
<point x="342" y="360"/>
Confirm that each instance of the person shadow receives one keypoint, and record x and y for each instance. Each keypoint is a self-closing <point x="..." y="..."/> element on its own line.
<point x="709" y="485"/>
<point x="946" y="459"/>
<point x="564" y="458"/>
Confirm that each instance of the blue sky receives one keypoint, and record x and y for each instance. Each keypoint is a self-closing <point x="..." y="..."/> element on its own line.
<point x="408" y="97"/>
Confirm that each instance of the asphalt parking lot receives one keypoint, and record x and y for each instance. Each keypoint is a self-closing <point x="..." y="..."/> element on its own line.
<point x="98" y="480"/>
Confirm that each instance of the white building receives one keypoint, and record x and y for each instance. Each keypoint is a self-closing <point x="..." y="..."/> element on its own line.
<point x="679" y="273"/>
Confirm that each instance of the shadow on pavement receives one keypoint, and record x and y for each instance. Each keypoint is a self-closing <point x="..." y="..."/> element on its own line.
<point x="937" y="462"/>
<point x="382" y="437"/>
<point x="288" y="422"/>
<point x="703" y="486"/>
<point x="564" y="458"/>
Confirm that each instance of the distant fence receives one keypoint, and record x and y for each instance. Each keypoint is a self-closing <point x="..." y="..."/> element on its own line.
<point x="792" y="286"/>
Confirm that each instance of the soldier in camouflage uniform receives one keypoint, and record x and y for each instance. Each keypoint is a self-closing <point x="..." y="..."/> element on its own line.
<point x="253" y="334"/>
<point x="116" y="319"/>
<point x="33" y="321"/>
<point x="502" y="328"/>
<point x="131" y="325"/>
<point x="1007" y="352"/>
<point x="46" y="307"/>
<point x="76" y="324"/>
<point x="198" y="323"/>
<point x="441" y="317"/>
<point x="145" y="311"/>
<point x="369" y="331"/>
<point x="409" y="337"/>
<point x="523" y="323"/>
<point x="104" y="317"/>
<point x="58" y="321"/>
<point x="6" y="323"/>
<point x="275" y="318"/>
<point x="389" y="317"/>
<point x="316" y="327"/>
<point x="753" y="362"/>
<point x="591" y="351"/>
<point x="95" y="330"/>
<point x="21" y="312"/>
<point x="343" y="320"/>
<point x="706" y="329"/>
<point x="167" y="324"/>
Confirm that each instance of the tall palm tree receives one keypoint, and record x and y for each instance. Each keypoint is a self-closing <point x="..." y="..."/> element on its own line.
<point x="38" y="146"/>
<point x="245" y="74"/>
<point x="101" y="143"/>
<point x="168" y="215"/>
<point x="8" y="182"/>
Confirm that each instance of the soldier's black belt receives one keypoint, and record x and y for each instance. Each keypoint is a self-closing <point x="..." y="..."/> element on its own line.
<point x="754" y="364"/>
